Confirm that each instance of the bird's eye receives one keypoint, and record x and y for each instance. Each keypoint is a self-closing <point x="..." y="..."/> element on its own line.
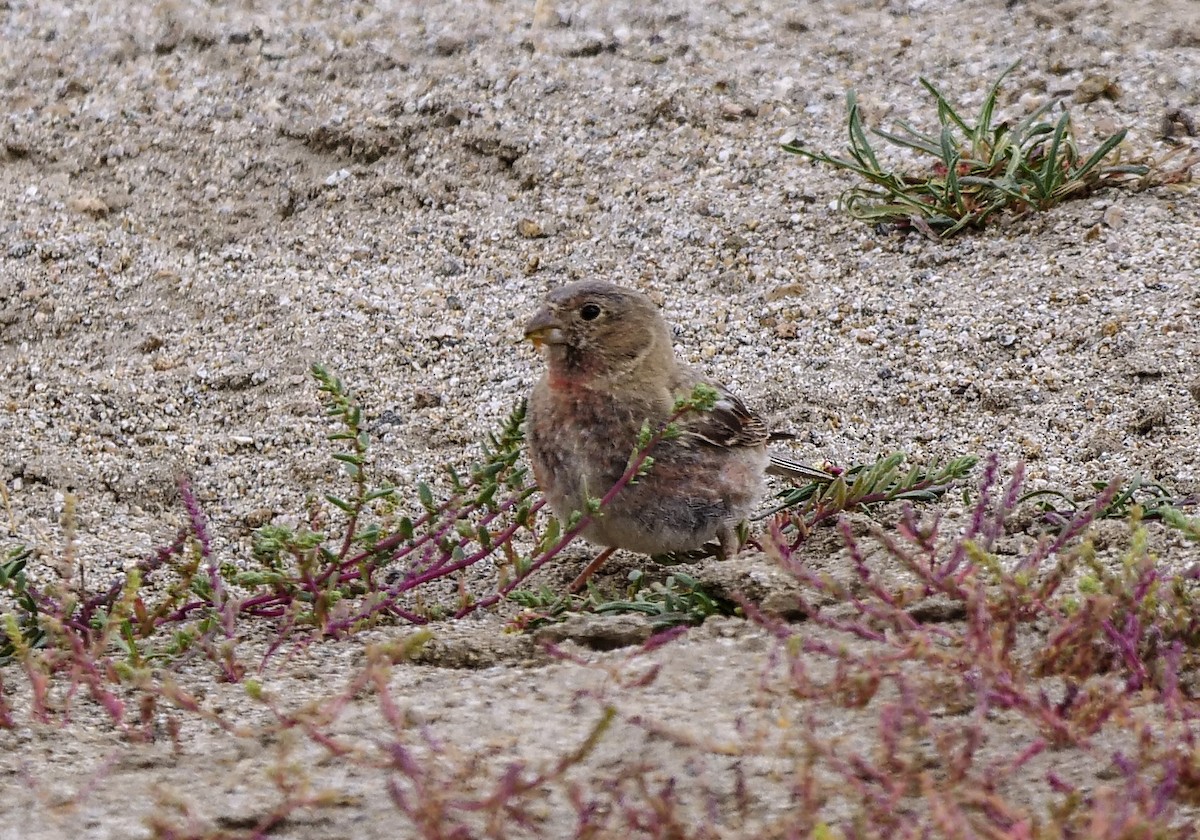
<point x="589" y="312"/>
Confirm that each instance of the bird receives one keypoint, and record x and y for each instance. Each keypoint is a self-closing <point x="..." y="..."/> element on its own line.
<point x="611" y="370"/>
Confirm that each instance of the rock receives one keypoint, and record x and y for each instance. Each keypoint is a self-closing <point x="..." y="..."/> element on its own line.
<point x="599" y="632"/>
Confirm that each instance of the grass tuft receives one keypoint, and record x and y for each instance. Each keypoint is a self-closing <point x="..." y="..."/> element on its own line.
<point x="981" y="167"/>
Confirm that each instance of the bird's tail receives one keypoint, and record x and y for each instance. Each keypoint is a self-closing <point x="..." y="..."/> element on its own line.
<point x="786" y="467"/>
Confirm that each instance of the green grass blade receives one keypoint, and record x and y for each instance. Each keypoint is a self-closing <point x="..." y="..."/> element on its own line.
<point x="1016" y="159"/>
<point x="984" y="126"/>
<point x="1100" y="154"/>
<point x="836" y="162"/>
<point x="1052" y="173"/>
<point x="952" y="195"/>
<point x="945" y="109"/>
<point x="914" y="141"/>
<point x="993" y="168"/>
<point x="931" y="139"/>
<point x="1003" y="186"/>
<point x="1024" y="131"/>
<point x="859" y="145"/>
<point x="1032" y="175"/>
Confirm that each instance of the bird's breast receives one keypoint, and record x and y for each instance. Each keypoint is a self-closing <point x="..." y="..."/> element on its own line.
<point x="580" y="439"/>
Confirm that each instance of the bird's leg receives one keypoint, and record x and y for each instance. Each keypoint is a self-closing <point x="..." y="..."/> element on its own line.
<point x="589" y="570"/>
<point x="731" y="539"/>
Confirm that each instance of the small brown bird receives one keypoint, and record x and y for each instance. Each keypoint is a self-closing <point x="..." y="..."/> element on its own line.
<point x="610" y="368"/>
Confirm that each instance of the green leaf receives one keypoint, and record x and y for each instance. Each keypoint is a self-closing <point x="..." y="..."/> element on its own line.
<point x="339" y="503"/>
<point x="405" y="528"/>
<point x="425" y="495"/>
<point x="913" y="141"/>
<point x="1102" y="152"/>
<point x="945" y="109"/>
<point x="550" y="536"/>
<point x="859" y="144"/>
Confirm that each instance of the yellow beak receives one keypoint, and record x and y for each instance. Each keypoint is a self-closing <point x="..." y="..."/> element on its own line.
<point x="544" y="328"/>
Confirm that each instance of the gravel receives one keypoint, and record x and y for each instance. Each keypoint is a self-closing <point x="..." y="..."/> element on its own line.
<point x="200" y="201"/>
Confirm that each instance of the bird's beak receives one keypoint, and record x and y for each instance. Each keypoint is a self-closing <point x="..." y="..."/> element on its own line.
<point x="544" y="328"/>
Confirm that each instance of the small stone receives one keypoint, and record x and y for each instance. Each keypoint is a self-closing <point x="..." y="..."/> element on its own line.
<point x="151" y="344"/>
<point x="1100" y="444"/>
<point x="530" y="229"/>
<point x="784" y="291"/>
<point x="1148" y="417"/>
<point x="88" y="204"/>
<point x="425" y="398"/>
<point x="588" y="47"/>
<point x="17" y="147"/>
<point x="451" y="267"/>
<point x="937" y="610"/>
<point x="259" y="517"/>
<point x="452" y="117"/>
<point x="447" y="44"/>
<point x="1175" y="119"/>
<point x="1096" y="86"/>
<point x="732" y="111"/>
<point x="169" y="39"/>
<point x="598" y="632"/>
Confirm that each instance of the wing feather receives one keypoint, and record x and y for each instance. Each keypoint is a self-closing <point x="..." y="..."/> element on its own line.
<point x="730" y="424"/>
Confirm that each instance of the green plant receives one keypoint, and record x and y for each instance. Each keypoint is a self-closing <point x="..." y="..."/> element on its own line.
<point x="866" y="486"/>
<point x="1150" y="498"/>
<point x="678" y="600"/>
<point x="20" y="630"/>
<point x="980" y="168"/>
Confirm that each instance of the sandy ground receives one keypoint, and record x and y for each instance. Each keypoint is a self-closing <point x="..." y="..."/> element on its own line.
<point x="198" y="201"/>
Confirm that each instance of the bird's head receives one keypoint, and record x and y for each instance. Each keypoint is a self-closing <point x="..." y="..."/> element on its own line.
<point x="595" y="331"/>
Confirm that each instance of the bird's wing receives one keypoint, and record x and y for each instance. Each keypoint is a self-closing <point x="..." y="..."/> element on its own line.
<point x="729" y="424"/>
